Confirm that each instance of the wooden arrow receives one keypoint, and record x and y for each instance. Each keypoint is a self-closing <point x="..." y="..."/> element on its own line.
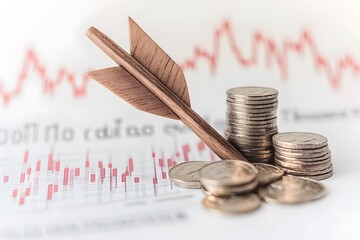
<point x="151" y="81"/>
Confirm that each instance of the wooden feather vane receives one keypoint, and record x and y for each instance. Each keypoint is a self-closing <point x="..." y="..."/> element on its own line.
<point x="151" y="81"/>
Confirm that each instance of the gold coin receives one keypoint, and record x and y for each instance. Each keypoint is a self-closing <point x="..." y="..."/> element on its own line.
<point x="292" y="190"/>
<point x="268" y="173"/>
<point x="234" y="204"/>
<point x="227" y="173"/>
<point x="186" y="174"/>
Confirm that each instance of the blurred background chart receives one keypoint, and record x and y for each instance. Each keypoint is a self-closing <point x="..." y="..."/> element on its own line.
<point x="78" y="162"/>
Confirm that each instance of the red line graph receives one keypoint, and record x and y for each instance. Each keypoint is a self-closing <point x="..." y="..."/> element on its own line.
<point x="277" y="52"/>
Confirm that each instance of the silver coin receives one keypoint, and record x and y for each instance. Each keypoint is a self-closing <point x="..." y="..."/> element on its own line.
<point x="248" y="126"/>
<point x="186" y="174"/>
<point x="303" y="163"/>
<point x="321" y="177"/>
<point x="302" y="151"/>
<point x="227" y="173"/>
<point x="250" y="143"/>
<point x="250" y="122"/>
<point x="268" y="173"/>
<point x="308" y="172"/>
<point x="266" y="151"/>
<point x="228" y="191"/>
<point x="262" y="156"/>
<point x="250" y="131"/>
<point x="249" y="114"/>
<point x="303" y="154"/>
<point x="251" y="102"/>
<point x="233" y="205"/>
<point x="292" y="190"/>
<point x="248" y="106"/>
<point x="236" y="110"/>
<point x="300" y="165"/>
<point x="245" y="117"/>
<point x="248" y="140"/>
<point x="253" y="148"/>
<point x="303" y="158"/>
<point x="249" y="137"/>
<point x="252" y="93"/>
<point x="299" y="140"/>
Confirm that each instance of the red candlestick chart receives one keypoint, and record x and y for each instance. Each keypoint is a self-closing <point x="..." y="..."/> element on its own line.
<point x="38" y="182"/>
<point x="276" y="54"/>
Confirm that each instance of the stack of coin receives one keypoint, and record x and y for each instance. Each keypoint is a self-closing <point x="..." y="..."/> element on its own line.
<point x="228" y="185"/>
<point x="251" y="121"/>
<point x="303" y="154"/>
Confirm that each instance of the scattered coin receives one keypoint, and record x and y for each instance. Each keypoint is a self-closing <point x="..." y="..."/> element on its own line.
<point x="227" y="173"/>
<point x="186" y="174"/>
<point x="292" y="190"/>
<point x="234" y="204"/>
<point x="268" y="173"/>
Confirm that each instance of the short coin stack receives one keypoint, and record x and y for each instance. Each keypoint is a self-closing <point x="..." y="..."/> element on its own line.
<point x="228" y="184"/>
<point x="228" y="177"/>
<point x="251" y="121"/>
<point x="303" y="154"/>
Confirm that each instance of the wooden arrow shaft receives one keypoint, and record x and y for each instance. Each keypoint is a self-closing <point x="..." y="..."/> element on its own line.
<point x="199" y="126"/>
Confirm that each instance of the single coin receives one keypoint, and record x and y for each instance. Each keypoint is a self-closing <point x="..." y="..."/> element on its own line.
<point x="234" y="109"/>
<point x="249" y="114"/>
<point x="303" y="163"/>
<point x="268" y="173"/>
<point x="321" y="177"/>
<point x="250" y="122"/>
<point x="187" y="174"/>
<point x="304" y="155"/>
<point x="263" y="156"/>
<point x="252" y="106"/>
<point x="251" y="102"/>
<point x="234" y="204"/>
<point x="230" y="190"/>
<point x="292" y="190"/>
<point x="249" y="126"/>
<point x="305" y="158"/>
<point x="227" y="173"/>
<point x="266" y="151"/>
<point x="252" y="93"/>
<point x="249" y="118"/>
<point x="243" y="145"/>
<point x="248" y="136"/>
<point x="300" y="166"/>
<point x="315" y="151"/>
<point x="251" y="131"/>
<point x="299" y="140"/>
<point x="307" y="172"/>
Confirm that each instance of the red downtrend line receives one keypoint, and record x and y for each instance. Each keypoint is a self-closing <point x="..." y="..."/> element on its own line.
<point x="32" y="63"/>
<point x="274" y="51"/>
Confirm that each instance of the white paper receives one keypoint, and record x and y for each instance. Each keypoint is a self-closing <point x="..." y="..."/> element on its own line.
<point x="51" y="117"/>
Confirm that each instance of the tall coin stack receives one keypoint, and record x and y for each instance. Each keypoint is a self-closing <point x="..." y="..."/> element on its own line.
<point x="251" y="121"/>
<point x="303" y="154"/>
